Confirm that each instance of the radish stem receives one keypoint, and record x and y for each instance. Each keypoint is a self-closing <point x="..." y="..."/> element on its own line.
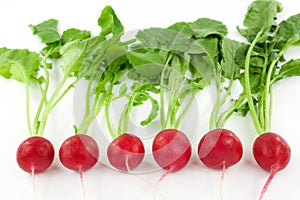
<point x="253" y="113"/>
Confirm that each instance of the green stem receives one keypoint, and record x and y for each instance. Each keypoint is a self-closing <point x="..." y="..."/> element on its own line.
<point x="107" y="119"/>
<point x="43" y="101"/>
<point x="26" y="81"/>
<point x="28" y="108"/>
<point x="62" y="95"/>
<point x="96" y="101"/>
<point x="261" y="112"/>
<point x="170" y="112"/>
<point x="271" y="107"/>
<point x="85" y="123"/>
<point x="120" y="124"/>
<point x="228" y="91"/>
<point x="184" y="112"/>
<point x="253" y="113"/>
<point x="261" y="98"/>
<point x="97" y="107"/>
<point x="216" y="108"/>
<point x="107" y="103"/>
<point x="162" y="93"/>
<point x="225" y="98"/>
<point x="225" y="115"/>
<point x="49" y="106"/>
<point x="127" y="113"/>
<point x="87" y="99"/>
<point x="267" y="96"/>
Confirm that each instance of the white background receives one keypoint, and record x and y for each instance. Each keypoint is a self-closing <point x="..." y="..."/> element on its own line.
<point x="243" y="181"/>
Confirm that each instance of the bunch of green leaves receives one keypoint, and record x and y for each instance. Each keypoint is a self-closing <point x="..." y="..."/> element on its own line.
<point x="264" y="58"/>
<point x="102" y="62"/>
<point x="99" y="59"/>
<point x="33" y="68"/>
<point x="180" y="60"/>
<point x="213" y="56"/>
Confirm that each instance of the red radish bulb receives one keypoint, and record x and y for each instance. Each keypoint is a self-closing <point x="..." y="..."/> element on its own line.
<point x="271" y="151"/>
<point x="79" y="152"/>
<point x="35" y="154"/>
<point x="220" y="148"/>
<point x="171" y="149"/>
<point x="126" y="152"/>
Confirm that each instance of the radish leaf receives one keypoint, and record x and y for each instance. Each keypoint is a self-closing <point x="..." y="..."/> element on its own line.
<point x="19" y="64"/>
<point x="109" y="22"/>
<point x="47" y="31"/>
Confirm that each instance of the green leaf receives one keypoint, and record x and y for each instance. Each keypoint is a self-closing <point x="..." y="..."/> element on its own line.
<point x="231" y="69"/>
<point x="157" y="38"/>
<point x="255" y="81"/>
<point x="244" y="108"/>
<point x="105" y="64"/>
<point x="109" y="22"/>
<point x="47" y="31"/>
<point x="288" y="32"/>
<point x="19" y="64"/>
<point x="182" y="27"/>
<point x="52" y="50"/>
<point x="74" y="34"/>
<point x="76" y="54"/>
<point x="198" y="83"/>
<point x="204" y="27"/>
<point x="203" y="61"/>
<point x="205" y="56"/>
<point x="137" y="59"/>
<point x="153" y="114"/>
<point x="261" y="17"/>
<point x="147" y="66"/>
<point x="291" y="68"/>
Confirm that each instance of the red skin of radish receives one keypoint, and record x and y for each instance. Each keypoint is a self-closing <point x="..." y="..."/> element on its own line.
<point x="126" y="148"/>
<point x="271" y="151"/>
<point x="35" y="154"/>
<point x="220" y="148"/>
<point x="171" y="149"/>
<point x="79" y="152"/>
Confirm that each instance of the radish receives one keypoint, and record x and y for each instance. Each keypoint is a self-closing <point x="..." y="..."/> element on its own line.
<point x="265" y="64"/>
<point x="34" y="69"/>
<point x="79" y="153"/>
<point x="35" y="154"/>
<point x="272" y="153"/>
<point x="126" y="152"/>
<point x="220" y="149"/>
<point x="171" y="150"/>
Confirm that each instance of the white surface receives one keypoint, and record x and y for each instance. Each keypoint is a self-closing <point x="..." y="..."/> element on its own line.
<point x="243" y="181"/>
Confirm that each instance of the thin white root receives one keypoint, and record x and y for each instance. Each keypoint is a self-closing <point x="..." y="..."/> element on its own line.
<point x="273" y="173"/>
<point x="163" y="177"/>
<point x="142" y="179"/>
<point x="82" y="184"/>
<point x="222" y="180"/>
<point x="33" y="183"/>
